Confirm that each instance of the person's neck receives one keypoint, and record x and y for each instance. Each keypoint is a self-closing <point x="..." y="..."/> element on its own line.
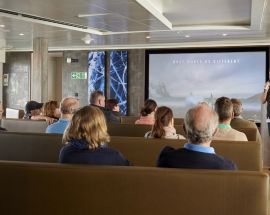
<point x="66" y="116"/>
<point x="226" y="122"/>
<point x="207" y="144"/>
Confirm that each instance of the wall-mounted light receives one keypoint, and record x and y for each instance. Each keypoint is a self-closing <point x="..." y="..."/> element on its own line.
<point x="87" y="39"/>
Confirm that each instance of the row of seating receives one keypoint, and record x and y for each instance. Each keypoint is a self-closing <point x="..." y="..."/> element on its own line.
<point x="132" y="119"/>
<point x="40" y="188"/>
<point x="128" y="130"/>
<point x="141" y="152"/>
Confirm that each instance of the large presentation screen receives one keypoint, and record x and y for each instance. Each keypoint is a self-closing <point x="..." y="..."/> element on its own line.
<point x="181" y="80"/>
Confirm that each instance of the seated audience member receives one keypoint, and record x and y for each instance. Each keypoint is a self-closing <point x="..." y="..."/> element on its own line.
<point x="147" y="113"/>
<point x="86" y="138"/>
<point x="51" y="109"/>
<point x="113" y="106"/>
<point x="200" y="125"/>
<point x="33" y="111"/>
<point x="224" y="109"/>
<point x="97" y="99"/>
<point x="238" y="121"/>
<point x="67" y="108"/>
<point x="163" y="127"/>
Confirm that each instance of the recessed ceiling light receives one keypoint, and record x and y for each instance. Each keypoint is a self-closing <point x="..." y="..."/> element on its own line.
<point x="187" y="36"/>
<point x="2" y="26"/>
<point x="21" y="34"/>
<point x="148" y="37"/>
<point x="224" y="34"/>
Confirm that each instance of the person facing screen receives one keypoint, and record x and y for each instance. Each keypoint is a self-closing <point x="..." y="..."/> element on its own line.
<point x="86" y="138"/>
<point x="200" y="125"/>
<point x="147" y="113"/>
<point x="163" y="127"/>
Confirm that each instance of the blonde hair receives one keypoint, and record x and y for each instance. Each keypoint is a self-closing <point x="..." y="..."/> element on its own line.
<point x="89" y="124"/>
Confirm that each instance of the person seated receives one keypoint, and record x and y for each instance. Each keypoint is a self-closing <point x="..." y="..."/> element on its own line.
<point x="163" y="127"/>
<point x="68" y="106"/>
<point x="33" y="111"/>
<point x="238" y="121"/>
<point x="97" y="99"/>
<point x="147" y="113"/>
<point x="224" y="109"/>
<point x="113" y="106"/>
<point x="86" y="138"/>
<point x="200" y="124"/>
<point x="51" y="109"/>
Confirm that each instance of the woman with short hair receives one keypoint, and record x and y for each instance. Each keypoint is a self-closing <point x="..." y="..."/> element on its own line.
<point x="163" y="127"/>
<point x="86" y="140"/>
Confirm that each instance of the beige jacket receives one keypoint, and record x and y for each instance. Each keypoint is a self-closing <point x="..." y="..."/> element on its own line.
<point x="229" y="134"/>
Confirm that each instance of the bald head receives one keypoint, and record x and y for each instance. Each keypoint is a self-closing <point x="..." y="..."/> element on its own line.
<point x="200" y="123"/>
<point x="69" y="105"/>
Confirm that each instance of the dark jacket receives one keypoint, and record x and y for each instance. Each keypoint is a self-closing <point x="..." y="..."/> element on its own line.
<point x="185" y="158"/>
<point x="110" y="117"/>
<point x="83" y="155"/>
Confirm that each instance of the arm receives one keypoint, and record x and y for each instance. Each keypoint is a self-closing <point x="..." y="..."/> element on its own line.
<point x="40" y="117"/>
<point x="265" y="91"/>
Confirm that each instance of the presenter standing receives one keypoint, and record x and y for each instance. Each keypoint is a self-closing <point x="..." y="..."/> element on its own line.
<point x="265" y="97"/>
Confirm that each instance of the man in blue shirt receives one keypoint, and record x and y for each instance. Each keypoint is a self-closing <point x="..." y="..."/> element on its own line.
<point x="67" y="107"/>
<point x="200" y="125"/>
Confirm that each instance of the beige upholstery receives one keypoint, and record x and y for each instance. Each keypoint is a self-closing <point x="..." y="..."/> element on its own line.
<point x="131" y="130"/>
<point x="144" y="152"/>
<point x="129" y="119"/>
<point x="35" y="188"/>
<point x="140" y="151"/>
<point x="30" y="147"/>
<point x="23" y="125"/>
<point x="132" y="119"/>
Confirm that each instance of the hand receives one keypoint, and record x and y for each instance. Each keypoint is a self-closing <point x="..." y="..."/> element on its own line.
<point x="266" y="86"/>
<point x="49" y="120"/>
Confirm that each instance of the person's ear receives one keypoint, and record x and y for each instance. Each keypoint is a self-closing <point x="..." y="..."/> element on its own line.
<point x="232" y="115"/>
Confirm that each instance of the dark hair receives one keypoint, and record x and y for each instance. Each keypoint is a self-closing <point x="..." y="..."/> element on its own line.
<point x="163" y="117"/>
<point x="111" y="103"/>
<point x="95" y="96"/>
<point x="224" y="108"/>
<point x="149" y="106"/>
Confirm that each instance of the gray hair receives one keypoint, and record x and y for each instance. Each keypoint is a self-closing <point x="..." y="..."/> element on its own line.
<point x="237" y="106"/>
<point x="94" y="97"/>
<point x="200" y="124"/>
<point x="69" y="105"/>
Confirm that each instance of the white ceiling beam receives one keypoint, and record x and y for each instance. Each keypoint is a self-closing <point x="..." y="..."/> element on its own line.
<point x="27" y="19"/>
<point x="258" y="8"/>
<point x="153" y="9"/>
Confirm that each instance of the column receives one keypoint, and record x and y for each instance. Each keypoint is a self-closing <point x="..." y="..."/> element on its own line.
<point x="39" y="73"/>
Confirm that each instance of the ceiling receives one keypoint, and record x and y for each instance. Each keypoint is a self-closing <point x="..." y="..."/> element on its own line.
<point x="124" y="24"/>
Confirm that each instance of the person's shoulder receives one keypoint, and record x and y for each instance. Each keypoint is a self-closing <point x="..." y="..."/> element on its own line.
<point x="167" y="150"/>
<point x="241" y="136"/>
<point x="224" y="163"/>
<point x="115" y="155"/>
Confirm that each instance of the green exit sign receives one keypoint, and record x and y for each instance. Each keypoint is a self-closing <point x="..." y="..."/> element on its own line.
<point x="78" y="75"/>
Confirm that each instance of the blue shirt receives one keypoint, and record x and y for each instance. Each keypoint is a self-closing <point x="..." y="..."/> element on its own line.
<point x="58" y="127"/>
<point x="198" y="148"/>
